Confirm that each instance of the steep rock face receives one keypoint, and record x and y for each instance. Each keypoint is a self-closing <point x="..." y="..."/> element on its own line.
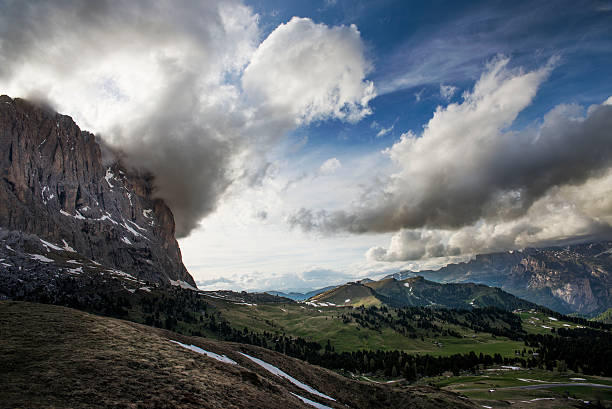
<point x="54" y="184"/>
<point x="572" y="279"/>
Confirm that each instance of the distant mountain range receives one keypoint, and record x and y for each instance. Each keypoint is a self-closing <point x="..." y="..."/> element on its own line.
<point x="571" y="279"/>
<point x="295" y="296"/>
<point x="419" y="292"/>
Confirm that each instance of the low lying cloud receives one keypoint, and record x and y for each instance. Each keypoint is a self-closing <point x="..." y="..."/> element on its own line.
<point x="469" y="174"/>
<point x="188" y="92"/>
<point x="292" y="282"/>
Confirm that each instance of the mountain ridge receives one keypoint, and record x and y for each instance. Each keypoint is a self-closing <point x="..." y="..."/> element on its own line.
<point x="55" y="184"/>
<point x="570" y="279"/>
<point x="419" y="292"/>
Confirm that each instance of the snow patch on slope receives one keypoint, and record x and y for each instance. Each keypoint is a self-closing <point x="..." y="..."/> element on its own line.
<point x="221" y="358"/>
<point x="109" y="175"/>
<point x="278" y="372"/>
<point x="310" y="402"/>
<point x="183" y="284"/>
<point x="41" y="258"/>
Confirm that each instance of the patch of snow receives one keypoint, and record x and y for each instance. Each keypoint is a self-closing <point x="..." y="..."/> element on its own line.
<point x="147" y="213"/>
<point x="221" y="358"/>
<point x="51" y="245"/>
<point x="278" y="372"/>
<point x="552" y="319"/>
<point x="67" y="246"/>
<point x="9" y="248"/>
<point x="545" y="326"/>
<point x="577" y="379"/>
<point x="348" y="300"/>
<point x="241" y="303"/>
<point x="122" y="274"/>
<point x="183" y="284"/>
<point x="42" y="193"/>
<point x="310" y="402"/>
<point x="566" y="325"/>
<point x="534" y="380"/>
<point x="77" y="270"/>
<point x="77" y="216"/>
<point x="131" y="230"/>
<point x="109" y="175"/>
<point x="7" y="264"/>
<point x="147" y="289"/>
<point x="41" y="258"/>
<point x="535" y="400"/>
<point x="73" y="262"/>
<point x="137" y="226"/>
<point x="126" y="241"/>
<point x="108" y="217"/>
<point x="513" y="368"/>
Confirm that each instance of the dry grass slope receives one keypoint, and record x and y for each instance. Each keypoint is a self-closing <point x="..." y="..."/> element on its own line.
<point x="58" y="357"/>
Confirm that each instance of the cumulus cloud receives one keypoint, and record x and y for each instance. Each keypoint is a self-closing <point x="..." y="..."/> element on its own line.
<point x="382" y="131"/>
<point x="311" y="71"/>
<point x="188" y="92"/>
<point x="469" y="168"/>
<point x="447" y="91"/>
<point x="330" y="166"/>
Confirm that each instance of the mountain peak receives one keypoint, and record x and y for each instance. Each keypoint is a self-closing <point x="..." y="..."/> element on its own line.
<point x="56" y="185"/>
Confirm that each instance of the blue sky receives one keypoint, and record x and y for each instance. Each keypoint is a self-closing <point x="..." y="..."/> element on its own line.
<point x="447" y="42"/>
<point x="302" y="144"/>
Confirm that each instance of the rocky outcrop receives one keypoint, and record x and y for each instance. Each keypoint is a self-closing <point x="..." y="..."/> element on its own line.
<point x="571" y="279"/>
<point x="55" y="184"/>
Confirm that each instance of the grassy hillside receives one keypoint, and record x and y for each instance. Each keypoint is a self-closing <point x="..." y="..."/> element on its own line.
<point x="511" y="387"/>
<point x="58" y="357"/>
<point x="605" y="317"/>
<point x="350" y="329"/>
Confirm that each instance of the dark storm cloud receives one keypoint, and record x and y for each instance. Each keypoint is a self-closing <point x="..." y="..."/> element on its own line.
<point x="183" y="139"/>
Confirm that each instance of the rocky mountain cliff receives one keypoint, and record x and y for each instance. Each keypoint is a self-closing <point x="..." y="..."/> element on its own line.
<point x="571" y="279"/>
<point x="55" y="184"/>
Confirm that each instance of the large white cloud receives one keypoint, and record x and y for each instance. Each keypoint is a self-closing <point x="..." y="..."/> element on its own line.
<point x="311" y="72"/>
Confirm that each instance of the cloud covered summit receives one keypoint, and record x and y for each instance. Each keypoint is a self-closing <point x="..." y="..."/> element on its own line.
<point x="188" y="91"/>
